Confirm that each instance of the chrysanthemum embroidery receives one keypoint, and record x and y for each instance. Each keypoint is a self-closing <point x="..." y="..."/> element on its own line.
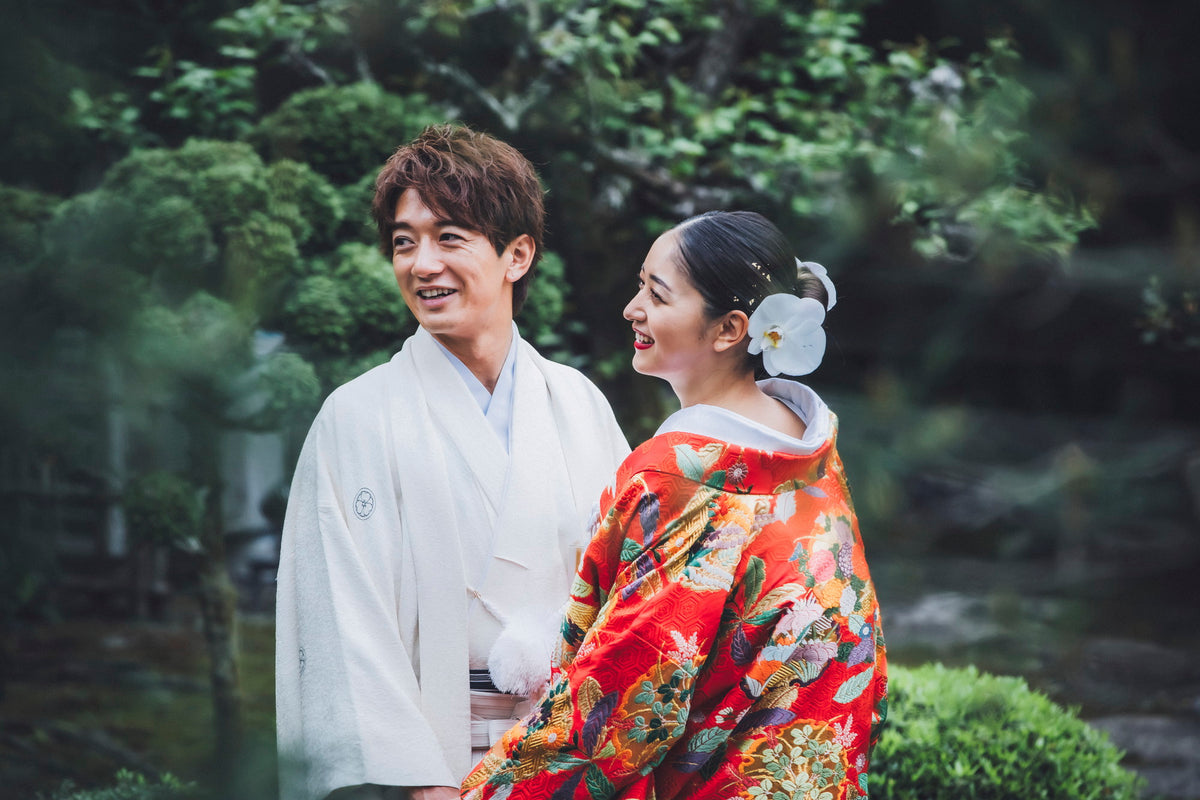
<point x="737" y="473"/>
<point x="686" y="649"/>
<point x="843" y="733"/>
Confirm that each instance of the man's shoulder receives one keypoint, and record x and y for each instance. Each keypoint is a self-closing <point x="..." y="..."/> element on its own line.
<point x="562" y="375"/>
<point x="361" y="393"/>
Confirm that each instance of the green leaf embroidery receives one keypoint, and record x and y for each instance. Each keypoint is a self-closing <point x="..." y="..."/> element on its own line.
<point x="630" y="550"/>
<point x="598" y="785"/>
<point x="852" y="688"/>
<point x="755" y="574"/>
<point x="707" y="740"/>
<point x="689" y="463"/>
<point x="717" y="479"/>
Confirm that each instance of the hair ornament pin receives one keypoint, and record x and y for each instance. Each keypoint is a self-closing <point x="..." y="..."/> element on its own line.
<point x="823" y="275"/>
<point x="787" y="330"/>
<point x="761" y="270"/>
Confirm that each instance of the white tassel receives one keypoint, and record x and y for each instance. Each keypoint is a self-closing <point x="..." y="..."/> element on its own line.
<point x="519" y="661"/>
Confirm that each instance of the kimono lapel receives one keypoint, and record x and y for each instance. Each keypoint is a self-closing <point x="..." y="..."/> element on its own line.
<point x="536" y="502"/>
<point x="458" y="420"/>
<point x="429" y="511"/>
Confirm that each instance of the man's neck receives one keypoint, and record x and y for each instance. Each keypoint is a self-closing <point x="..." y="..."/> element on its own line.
<point x="483" y="354"/>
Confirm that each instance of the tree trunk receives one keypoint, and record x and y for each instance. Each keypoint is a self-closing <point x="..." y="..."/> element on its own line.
<point x="218" y="603"/>
<point x="722" y="49"/>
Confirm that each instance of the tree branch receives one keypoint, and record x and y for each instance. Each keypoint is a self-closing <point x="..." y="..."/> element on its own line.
<point x="722" y="49"/>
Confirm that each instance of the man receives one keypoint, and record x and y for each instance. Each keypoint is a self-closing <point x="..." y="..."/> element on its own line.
<point x="438" y="497"/>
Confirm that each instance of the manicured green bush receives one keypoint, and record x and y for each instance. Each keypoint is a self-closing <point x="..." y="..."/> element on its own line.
<point x="958" y="734"/>
<point x="305" y="201"/>
<point x="343" y="131"/>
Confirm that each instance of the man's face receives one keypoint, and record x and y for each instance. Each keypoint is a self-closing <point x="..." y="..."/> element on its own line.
<point x="452" y="279"/>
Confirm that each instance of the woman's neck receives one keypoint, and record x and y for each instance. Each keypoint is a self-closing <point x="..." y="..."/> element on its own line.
<point x="740" y="394"/>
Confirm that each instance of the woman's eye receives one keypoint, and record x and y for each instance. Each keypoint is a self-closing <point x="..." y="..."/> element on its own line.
<point x="657" y="297"/>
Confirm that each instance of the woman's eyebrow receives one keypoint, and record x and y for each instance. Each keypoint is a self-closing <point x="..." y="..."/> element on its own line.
<point x="660" y="282"/>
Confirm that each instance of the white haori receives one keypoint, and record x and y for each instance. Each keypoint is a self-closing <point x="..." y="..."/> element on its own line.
<point x="407" y="516"/>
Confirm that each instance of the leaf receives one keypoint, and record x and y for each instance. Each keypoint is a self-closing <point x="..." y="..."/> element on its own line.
<point x="852" y="688"/>
<point x="630" y="550"/>
<point x="717" y="479"/>
<point x="572" y="633"/>
<point x="588" y="694"/>
<point x="691" y="761"/>
<point x="648" y="517"/>
<point x="599" y="715"/>
<point x="739" y="647"/>
<point x="567" y="790"/>
<point x="764" y="718"/>
<point x="598" y="785"/>
<point x="707" y="740"/>
<point x="753" y="581"/>
<point x="770" y="601"/>
<point x="689" y="463"/>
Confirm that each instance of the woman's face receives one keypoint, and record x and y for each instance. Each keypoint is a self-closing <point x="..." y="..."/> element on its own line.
<point x="672" y="338"/>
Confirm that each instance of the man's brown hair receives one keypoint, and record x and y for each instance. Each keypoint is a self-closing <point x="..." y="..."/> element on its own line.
<point x="471" y="178"/>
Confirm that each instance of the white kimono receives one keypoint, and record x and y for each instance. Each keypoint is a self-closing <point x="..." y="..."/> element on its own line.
<point x="399" y="473"/>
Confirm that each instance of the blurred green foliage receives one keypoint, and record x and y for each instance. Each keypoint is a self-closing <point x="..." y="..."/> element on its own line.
<point x="163" y="508"/>
<point x="344" y="132"/>
<point x="958" y="734"/>
<point x="130" y="785"/>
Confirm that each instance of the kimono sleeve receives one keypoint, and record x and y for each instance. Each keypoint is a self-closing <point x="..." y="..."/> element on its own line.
<point x="347" y="699"/>
<point x="635" y="637"/>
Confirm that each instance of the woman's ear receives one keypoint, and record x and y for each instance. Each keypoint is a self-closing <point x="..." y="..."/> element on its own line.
<point x="521" y="250"/>
<point x="731" y="330"/>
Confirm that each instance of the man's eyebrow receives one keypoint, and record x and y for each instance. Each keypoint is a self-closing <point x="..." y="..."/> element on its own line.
<point x="439" y="223"/>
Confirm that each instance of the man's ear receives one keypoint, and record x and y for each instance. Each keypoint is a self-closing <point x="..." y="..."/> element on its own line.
<point x="520" y="252"/>
<point x="731" y="330"/>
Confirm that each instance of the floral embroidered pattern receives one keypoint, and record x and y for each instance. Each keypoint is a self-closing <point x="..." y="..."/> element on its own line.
<point x="722" y="639"/>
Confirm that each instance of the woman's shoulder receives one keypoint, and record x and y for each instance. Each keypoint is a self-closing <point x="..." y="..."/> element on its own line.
<point x="723" y="465"/>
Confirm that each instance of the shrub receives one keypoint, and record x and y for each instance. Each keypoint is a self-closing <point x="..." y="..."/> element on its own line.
<point x="962" y="735"/>
<point x="543" y="309"/>
<point x="22" y="215"/>
<point x="365" y="280"/>
<point x="305" y="201"/>
<point x="129" y="786"/>
<point x="162" y="508"/>
<point x="343" y="131"/>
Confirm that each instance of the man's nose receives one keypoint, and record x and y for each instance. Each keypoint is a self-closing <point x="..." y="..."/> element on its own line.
<point x="426" y="262"/>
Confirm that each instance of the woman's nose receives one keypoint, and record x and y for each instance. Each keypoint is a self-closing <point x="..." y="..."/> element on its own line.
<point x="633" y="309"/>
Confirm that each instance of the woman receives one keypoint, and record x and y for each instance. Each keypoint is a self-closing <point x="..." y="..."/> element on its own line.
<point x="723" y="637"/>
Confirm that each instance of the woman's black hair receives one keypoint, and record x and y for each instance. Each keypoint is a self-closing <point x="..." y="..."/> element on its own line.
<point x="736" y="258"/>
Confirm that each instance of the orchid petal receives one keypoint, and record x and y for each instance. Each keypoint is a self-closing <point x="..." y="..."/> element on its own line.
<point x="796" y="343"/>
<point x="823" y="274"/>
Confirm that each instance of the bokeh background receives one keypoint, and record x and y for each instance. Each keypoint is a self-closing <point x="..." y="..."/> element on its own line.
<point x="1004" y="193"/>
